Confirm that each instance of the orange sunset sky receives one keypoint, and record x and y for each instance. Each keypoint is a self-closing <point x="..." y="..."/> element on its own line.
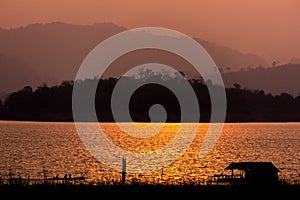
<point x="270" y="28"/>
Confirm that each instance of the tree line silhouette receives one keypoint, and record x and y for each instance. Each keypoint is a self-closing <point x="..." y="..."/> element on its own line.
<point x="55" y="103"/>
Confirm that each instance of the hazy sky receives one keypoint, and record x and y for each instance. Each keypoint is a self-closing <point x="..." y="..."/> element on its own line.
<point x="270" y="28"/>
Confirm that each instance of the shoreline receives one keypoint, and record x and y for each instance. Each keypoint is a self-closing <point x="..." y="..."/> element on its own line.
<point x="205" y="122"/>
<point x="114" y="189"/>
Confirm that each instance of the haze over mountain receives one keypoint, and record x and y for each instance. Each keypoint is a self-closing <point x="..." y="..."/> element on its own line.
<point x="53" y="52"/>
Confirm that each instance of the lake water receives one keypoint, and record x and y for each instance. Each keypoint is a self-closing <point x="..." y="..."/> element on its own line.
<point x="35" y="149"/>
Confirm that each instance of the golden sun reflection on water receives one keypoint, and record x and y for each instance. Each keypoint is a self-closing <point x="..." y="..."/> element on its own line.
<point x="30" y="147"/>
<point x="140" y="145"/>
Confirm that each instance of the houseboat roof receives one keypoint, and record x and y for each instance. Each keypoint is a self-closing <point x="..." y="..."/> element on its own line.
<point x="252" y="166"/>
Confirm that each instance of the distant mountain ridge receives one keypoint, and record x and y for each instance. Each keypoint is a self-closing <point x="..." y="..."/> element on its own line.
<point x="53" y="52"/>
<point x="275" y="80"/>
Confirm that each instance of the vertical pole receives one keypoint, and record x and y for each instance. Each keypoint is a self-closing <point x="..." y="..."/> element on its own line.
<point x="45" y="177"/>
<point x="123" y="170"/>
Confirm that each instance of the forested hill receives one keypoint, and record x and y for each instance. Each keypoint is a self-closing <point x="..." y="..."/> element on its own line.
<point x="55" y="103"/>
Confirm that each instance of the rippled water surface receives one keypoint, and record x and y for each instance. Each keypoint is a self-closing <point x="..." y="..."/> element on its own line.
<point x="35" y="149"/>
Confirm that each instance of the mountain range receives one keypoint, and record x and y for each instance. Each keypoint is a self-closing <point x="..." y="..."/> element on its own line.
<point x="49" y="53"/>
<point x="52" y="52"/>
